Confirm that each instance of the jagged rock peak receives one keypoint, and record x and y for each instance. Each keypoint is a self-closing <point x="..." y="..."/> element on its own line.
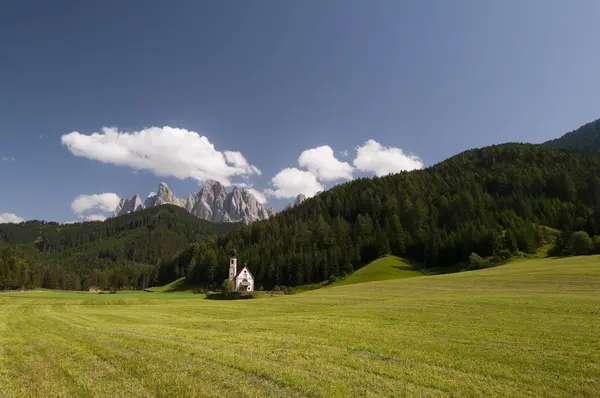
<point x="271" y="211"/>
<point x="242" y="206"/>
<point x="164" y="196"/>
<point x="299" y="199"/>
<point x="129" y="205"/>
<point x="212" y="203"/>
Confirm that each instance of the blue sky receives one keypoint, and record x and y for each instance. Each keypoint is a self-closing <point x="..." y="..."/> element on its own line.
<point x="271" y="79"/>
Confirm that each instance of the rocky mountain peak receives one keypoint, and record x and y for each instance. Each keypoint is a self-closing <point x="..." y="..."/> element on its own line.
<point x="129" y="205"/>
<point x="299" y="199"/>
<point x="212" y="203"/>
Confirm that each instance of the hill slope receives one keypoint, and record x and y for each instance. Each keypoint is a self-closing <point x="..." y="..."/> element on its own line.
<point x="586" y="137"/>
<point x="483" y="200"/>
<point x="385" y="268"/>
<point x="523" y="329"/>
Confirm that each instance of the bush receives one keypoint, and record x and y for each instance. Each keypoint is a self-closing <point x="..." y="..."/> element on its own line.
<point x="332" y="278"/>
<point x="596" y="244"/>
<point x="504" y="254"/>
<point x="261" y="288"/>
<point x="581" y="243"/>
<point x="276" y="288"/>
<point x="476" y="262"/>
<point x="226" y="287"/>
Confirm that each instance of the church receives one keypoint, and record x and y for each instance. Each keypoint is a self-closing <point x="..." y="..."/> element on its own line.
<point x="242" y="282"/>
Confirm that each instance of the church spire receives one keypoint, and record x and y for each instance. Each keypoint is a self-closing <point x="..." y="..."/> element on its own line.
<point x="233" y="266"/>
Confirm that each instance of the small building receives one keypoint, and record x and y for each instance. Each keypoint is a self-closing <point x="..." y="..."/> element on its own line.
<point x="94" y="289"/>
<point x="242" y="281"/>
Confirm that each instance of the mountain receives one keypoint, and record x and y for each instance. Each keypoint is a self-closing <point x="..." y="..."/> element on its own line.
<point x="212" y="203"/>
<point x="299" y="199"/>
<point x="127" y="206"/>
<point x="584" y="138"/>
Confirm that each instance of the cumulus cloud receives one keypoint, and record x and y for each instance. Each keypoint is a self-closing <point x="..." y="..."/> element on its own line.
<point x="6" y="218"/>
<point x="238" y="160"/>
<point x="166" y="151"/>
<point x="381" y="160"/>
<point x="104" y="202"/>
<point x="290" y="182"/>
<point x="94" y="217"/>
<point x="323" y="164"/>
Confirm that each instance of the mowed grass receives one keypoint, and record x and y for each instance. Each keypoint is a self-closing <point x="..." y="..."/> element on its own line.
<point x="528" y="328"/>
<point x="385" y="268"/>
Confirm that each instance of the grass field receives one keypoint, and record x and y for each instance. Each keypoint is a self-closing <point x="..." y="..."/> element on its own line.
<point x="528" y="328"/>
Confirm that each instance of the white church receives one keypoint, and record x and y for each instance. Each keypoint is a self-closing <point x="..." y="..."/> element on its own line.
<point x="242" y="282"/>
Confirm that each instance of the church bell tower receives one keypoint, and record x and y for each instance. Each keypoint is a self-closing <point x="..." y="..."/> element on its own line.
<point x="233" y="267"/>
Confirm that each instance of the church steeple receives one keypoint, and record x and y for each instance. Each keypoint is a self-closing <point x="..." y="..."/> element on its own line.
<point x="233" y="266"/>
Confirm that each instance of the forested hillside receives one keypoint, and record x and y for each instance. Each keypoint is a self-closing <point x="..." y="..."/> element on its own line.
<point x="119" y="252"/>
<point x="483" y="200"/>
<point x="487" y="201"/>
<point x="586" y="137"/>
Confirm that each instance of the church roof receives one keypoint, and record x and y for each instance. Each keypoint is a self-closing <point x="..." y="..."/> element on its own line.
<point x="242" y="270"/>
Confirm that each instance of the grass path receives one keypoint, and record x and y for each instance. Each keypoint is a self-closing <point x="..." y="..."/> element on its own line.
<point x="524" y="329"/>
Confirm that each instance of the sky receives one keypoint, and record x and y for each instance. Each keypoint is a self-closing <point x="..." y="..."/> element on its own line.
<point x="104" y="100"/>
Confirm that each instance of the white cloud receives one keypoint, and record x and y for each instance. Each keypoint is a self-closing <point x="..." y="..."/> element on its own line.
<point x="344" y="153"/>
<point x="323" y="164"/>
<point x="290" y="182"/>
<point x="6" y="218"/>
<point x="166" y="151"/>
<point x="238" y="160"/>
<point x="8" y="159"/>
<point x="94" y="217"/>
<point x="381" y="160"/>
<point x="258" y="195"/>
<point x="104" y="202"/>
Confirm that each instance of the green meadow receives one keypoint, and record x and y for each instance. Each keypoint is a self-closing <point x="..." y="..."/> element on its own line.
<point x="528" y="328"/>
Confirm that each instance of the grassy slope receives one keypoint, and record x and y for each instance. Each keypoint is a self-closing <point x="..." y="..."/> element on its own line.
<point x="526" y="328"/>
<point x="177" y="286"/>
<point x="389" y="267"/>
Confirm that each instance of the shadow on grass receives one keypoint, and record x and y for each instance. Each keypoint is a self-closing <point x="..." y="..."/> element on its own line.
<point x="231" y="296"/>
<point x="406" y="268"/>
